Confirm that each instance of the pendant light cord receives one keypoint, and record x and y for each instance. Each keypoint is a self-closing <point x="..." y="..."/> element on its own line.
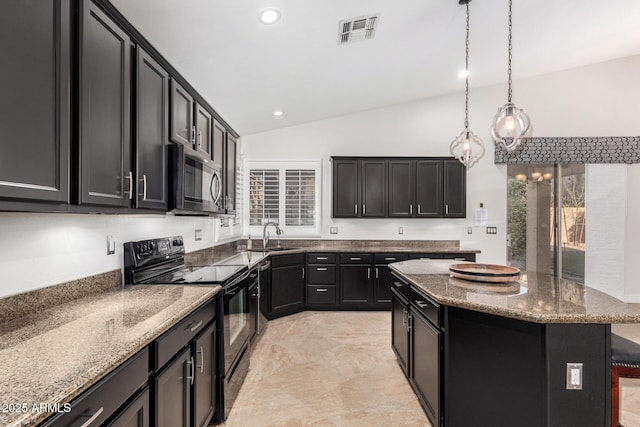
<point x="466" y="78"/>
<point x="509" y="60"/>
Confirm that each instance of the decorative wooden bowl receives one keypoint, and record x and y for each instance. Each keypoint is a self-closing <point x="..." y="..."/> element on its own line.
<point x="484" y="272"/>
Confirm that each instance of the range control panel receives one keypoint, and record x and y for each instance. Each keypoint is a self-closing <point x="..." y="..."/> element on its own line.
<point x="145" y="252"/>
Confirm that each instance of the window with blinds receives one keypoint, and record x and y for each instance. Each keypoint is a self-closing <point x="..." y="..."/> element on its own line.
<point x="284" y="192"/>
<point x="300" y="197"/>
<point x="264" y="195"/>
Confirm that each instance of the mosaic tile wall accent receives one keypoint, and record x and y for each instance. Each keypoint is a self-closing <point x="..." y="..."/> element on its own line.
<point x="551" y="150"/>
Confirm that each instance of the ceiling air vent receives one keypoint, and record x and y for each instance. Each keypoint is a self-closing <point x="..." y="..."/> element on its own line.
<point x="356" y="29"/>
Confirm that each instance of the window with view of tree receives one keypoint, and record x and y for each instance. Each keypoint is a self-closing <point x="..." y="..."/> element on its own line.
<point x="286" y="193"/>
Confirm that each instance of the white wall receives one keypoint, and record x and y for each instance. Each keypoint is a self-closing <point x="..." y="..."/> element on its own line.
<point x="595" y="100"/>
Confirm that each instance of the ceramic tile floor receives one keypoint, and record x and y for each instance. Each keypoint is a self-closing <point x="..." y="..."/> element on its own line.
<point x="338" y="369"/>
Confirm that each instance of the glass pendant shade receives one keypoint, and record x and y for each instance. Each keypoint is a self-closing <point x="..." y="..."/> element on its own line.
<point x="510" y="126"/>
<point x="467" y="148"/>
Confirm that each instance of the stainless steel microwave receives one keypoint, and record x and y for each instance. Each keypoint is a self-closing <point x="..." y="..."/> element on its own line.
<point x="195" y="187"/>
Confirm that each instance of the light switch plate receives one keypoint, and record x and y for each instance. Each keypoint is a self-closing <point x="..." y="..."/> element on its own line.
<point x="492" y="230"/>
<point x="111" y="245"/>
<point x="469" y="230"/>
<point x="574" y="376"/>
<point x="333" y="230"/>
<point x="198" y="234"/>
<point x="401" y="230"/>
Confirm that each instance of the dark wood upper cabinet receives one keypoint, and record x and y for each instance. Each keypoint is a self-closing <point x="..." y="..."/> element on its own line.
<point x="455" y="189"/>
<point x="105" y="175"/>
<point x="402" y="185"/>
<point x="34" y="101"/>
<point x="230" y="174"/>
<point x="182" y="128"/>
<point x="345" y="194"/>
<point x="398" y="187"/>
<point x="219" y="138"/>
<point x="152" y="132"/>
<point x="374" y="192"/>
<point x="429" y="188"/>
<point x="204" y="130"/>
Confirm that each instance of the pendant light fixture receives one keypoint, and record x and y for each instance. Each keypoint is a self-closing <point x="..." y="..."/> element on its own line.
<point x="511" y="124"/>
<point x="467" y="147"/>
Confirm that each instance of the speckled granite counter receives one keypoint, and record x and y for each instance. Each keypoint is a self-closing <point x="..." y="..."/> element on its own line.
<point x="538" y="298"/>
<point x="53" y="355"/>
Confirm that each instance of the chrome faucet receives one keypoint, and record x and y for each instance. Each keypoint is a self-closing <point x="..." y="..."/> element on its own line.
<point x="265" y="234"/>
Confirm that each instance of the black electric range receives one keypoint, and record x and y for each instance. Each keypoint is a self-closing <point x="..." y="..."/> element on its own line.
<point x="161" y="261"/>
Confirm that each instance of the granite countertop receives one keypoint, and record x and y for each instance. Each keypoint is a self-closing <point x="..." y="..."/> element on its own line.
<point x="53" y="355"/>
<point x="328" y="247"/>
<point x="539" y="298"/>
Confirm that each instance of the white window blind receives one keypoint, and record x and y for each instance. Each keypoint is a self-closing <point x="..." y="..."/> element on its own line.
<point x="285" y="192"/>
<point x="264" y="195"/>
<point x="300" y="201"/>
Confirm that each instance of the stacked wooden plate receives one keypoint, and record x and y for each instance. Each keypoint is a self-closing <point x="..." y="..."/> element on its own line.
<point x="484" y="272"/>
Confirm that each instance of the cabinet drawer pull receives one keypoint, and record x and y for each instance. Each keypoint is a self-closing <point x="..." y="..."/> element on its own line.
<point x="368" y="273"/>
<point x="422" y="304"/>
<point x="364" y="209"/>
<point x="201" y="353"/>
<point x="419" y="210"/>
<point x="389" y="258"/>
<point x="196" y="326"/>
<point x="398" y="284"/>
<point x="461" y="259"/>
<point x="355" y="209"/>
<point x="377" y="276"/>
<point x="321" y="258"/>
<point x="322" y="290"/>
<point x="93" y="417"/>
<point x="355" y="259"/>
<point x="410" y="209"/>
<point x="446" y="209"/>
<point x="321" y="269"/>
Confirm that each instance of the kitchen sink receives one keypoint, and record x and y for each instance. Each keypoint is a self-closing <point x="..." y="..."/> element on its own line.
<point x="273" y="249"/>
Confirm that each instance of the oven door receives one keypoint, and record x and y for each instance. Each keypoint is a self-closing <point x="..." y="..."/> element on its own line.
<point x="237" y="321"/>
<point x="196" y="186"/>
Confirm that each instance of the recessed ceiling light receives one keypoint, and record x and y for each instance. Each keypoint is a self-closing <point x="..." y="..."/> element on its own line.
<point x="269" y="16"/>
<point x="463" y="74"/>
<point x="278" y="113"/>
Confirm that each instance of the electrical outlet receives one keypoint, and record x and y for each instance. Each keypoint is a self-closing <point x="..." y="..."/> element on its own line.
<point x="111" y="245"/>
<point x="333" y="230"/>
<point x="401" y="230"/>
<point x="574" y="376"/>
<point x="492" y="230"/>
<point x="198" y="234"/>
<point x="469" y="230"/>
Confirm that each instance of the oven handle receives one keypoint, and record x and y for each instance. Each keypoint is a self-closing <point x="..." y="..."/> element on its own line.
<point x="264" y="266"/>
<point x="238" y="280"/>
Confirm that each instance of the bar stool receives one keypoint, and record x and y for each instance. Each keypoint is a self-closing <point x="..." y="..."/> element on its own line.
<point x="625" y="363"/>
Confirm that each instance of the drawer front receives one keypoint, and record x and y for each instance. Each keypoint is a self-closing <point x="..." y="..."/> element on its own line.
<point x="425" y="305"/>
<point x="321" y="295"/>
<point x="322" y="258"/>
<point x="321" y="274"/>
<point x="355" y="258"/>
<point x="389" y="258"/>
<point x="103" y="399"/>
<point x="425" y="255"/>
<point x="287" y="260"/>
<point x="400" y="286"/>
<point x="462" y="256"/>
<point x="177" y="337"/>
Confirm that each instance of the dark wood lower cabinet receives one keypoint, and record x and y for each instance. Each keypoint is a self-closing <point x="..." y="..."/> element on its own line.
<point x="204" y="381"/>
<point x="399" y="330"/>
<point x="172" y="393"/>
<point x="286" y="285"/>
<point x="355" y="285"/>
<point x="136" y="414"/>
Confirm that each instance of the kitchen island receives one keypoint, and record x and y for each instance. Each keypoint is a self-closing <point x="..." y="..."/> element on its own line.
<point x="500" y="355"/>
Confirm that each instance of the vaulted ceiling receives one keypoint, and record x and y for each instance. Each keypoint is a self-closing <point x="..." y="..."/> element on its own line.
<point x="247" y="70"/>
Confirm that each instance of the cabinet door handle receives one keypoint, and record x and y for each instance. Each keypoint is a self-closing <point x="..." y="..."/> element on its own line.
<point x="321" y="268"/>
<point x="446" y="209"/>
<point x="364" y="209"/>
<point x="201" y="353"/>
<point x="389" y="258"/>
<point x="321" y="258"/>
<point x="355" y="258"/>
<point x="322" y="290"/>
<point x="419" y="211"/>
<point x="130" y="178"/>
<point x="422" y="304"/>
<point x="411" y="209"/>
<point x="192" y="370"/>
<point x="404" y="315"/>
<point x="93" y="417"/>
<point x="144" y="187"/>
<point x="355" y="209"/>
<point x="303" y="272"/>
<point x="398" y="284"/>
<point x="377" y="276"/>
<point x="199" y="139"/>
<point x="409" y="319"/>
<point x="193" y="134"/>
<point x="196" y="326"/>
<point x="368" y="272"/>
